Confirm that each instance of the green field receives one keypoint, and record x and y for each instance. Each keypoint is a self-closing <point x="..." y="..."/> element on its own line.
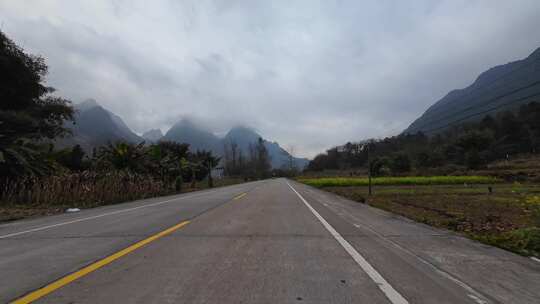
<point x="407" y="180"/>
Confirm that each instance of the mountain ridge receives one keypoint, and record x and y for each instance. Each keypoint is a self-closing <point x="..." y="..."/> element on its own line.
<point x="95" y="126"/>
<point x="200" y="138"/>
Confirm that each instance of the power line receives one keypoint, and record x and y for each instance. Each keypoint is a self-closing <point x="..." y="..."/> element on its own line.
<point x="483" y="112"/>
<point x="487" y="102"/>
<point x="524" y="65"/>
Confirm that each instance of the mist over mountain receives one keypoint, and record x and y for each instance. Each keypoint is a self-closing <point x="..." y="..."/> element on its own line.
<point x="94" y="126"/>
<point x="197" y="137"/>
<point x="244" y="136"/>
<point x="152" y="136"/>
<point x="500" y="88"/>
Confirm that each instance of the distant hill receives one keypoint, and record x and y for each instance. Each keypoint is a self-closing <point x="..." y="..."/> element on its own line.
<point x="152" y="136"/>
<point x="95" y="126"/>
<point x="199" y="138"/>
<point x="185" y="131"/>
<point x="500" y="88"/>
<point x="279" y="157"/>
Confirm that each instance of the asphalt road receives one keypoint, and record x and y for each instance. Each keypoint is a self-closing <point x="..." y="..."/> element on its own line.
<point x="273" y="241"/>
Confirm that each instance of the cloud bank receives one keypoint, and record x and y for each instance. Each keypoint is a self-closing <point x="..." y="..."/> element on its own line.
<point x="311" y="74"/>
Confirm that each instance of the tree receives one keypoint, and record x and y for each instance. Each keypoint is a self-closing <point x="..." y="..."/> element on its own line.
<point x="291" y="165"/>
<point x="422" y="159"/>
<point x="514" y="134"/>
<point x="29" y="114"/>
<point x="73" y="158"/>
<point x="380" y="166"/>
<point x="122" y="156"/>
<point x="262" y="165"/>
<point x="232" y="158"/>
<point x="400" y="163"/>
<point x="473" y="159"/>
<point x="209" y="162"/>
<point x="530" y="115"/>
<point x="167" y="159"/>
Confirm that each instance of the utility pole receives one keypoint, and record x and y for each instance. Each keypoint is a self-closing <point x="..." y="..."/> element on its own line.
<point x="210" y="180"/>
<point x="369" y="170"/>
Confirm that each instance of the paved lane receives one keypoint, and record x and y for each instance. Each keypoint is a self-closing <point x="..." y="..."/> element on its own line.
<point x="276" y="244"/>
<point x="38" y="251"/>
<point x="263" y="248"/>
<point x="427" y="263"/>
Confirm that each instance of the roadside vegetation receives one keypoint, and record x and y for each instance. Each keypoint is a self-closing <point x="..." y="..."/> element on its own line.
<point x="37" y="178"/>
<point x="480" y="178"/>
<point x="470" y="146"/>
<point x="255" y="165"/>
<point x="398" y="180"/>
<point x="498" y="204"/>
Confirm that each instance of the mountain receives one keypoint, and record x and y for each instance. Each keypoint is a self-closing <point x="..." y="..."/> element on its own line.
<point x="152" y="136"/>
<point x="500" y="88"/>
<point x="95" y="126"/>
<point x="244" y="136"/>
<point x="186" y="131"/>
<point x="198" y="138"/>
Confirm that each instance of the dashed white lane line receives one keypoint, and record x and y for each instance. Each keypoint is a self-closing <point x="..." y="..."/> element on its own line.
<point x="392" y="295"/>
<point x="100" y="215"/>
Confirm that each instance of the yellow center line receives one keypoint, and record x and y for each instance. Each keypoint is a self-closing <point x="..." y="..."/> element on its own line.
<point x="93" y="267"/>
<point x="240" y="196"/>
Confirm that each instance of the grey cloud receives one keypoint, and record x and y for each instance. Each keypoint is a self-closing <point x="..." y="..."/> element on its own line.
<point x="308" y="73"/>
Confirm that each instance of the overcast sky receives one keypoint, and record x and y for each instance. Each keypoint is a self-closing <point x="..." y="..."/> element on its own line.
<point x="311" y="74"/>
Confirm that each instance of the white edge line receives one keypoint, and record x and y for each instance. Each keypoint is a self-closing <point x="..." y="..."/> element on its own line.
<point x="535" y="259"/>
<point x="392" y="295"/>
<point x="100" y="215"/>
<point x="473" y="294"/>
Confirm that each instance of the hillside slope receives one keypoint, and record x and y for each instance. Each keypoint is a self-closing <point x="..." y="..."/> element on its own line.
<point x="500" y="88"/>
<point x="95" y="126"/>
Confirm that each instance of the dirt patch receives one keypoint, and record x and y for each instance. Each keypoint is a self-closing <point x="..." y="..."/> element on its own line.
<point x="12" y="213"/>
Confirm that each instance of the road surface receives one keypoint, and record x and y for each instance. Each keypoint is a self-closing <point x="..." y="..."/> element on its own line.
<point x="273" y="241"/>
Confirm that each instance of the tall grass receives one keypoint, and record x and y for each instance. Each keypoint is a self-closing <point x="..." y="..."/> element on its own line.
<point x="408" y="180"/>
<point x="85" y="189"/>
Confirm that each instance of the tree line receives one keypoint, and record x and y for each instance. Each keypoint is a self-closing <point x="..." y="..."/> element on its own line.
<point x="255" y="165"/>
<point x="471" y="145"/>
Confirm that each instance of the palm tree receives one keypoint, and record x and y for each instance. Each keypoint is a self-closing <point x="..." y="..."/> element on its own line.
<point x="123" y="156"/>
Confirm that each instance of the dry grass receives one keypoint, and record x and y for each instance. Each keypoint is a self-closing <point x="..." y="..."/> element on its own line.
<point x="84" y="189"/>
<point x="53" y="194"/>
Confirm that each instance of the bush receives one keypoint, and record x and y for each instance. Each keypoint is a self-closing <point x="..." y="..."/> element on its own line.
<point x="525" y="241"/>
